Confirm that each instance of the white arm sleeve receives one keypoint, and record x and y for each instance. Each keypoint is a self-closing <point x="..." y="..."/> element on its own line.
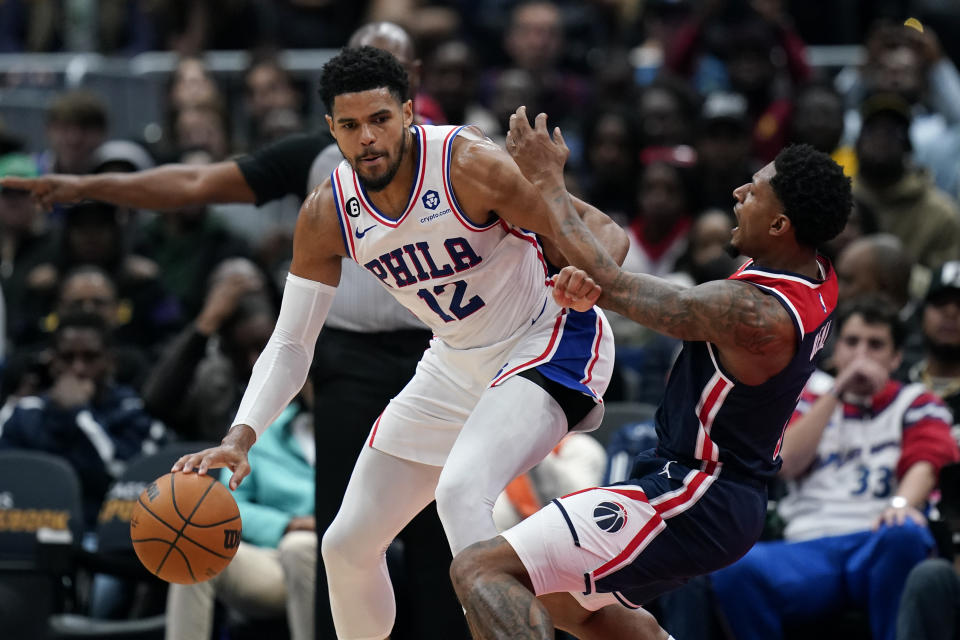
<point x="283" y="365"/>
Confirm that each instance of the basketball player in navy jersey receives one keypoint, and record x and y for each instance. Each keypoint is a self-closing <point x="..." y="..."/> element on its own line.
<point x="697" y="502"/>
<point x="445" y="221"/>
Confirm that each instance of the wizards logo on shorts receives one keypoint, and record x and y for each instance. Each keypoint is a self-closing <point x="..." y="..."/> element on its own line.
<point x="610" y="516"/>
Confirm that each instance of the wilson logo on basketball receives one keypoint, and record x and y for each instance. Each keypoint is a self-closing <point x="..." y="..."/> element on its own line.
<point x="610" y="516"/>
<point x="231" y="538"/>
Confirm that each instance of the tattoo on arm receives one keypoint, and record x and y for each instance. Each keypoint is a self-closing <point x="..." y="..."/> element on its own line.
<point x="724" y="312"/>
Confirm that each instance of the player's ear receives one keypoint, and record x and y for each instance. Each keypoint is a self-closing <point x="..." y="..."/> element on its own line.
<point x="408" y="113"/>
<point x="330" y="124"/>
<point x="780" y="225"/>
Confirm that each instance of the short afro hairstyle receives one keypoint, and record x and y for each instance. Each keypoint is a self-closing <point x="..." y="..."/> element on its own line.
<point x="815" y="194"/>
<point x="357" y="69"/>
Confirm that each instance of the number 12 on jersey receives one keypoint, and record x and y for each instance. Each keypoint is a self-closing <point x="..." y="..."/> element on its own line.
<point x="456" y="306"/>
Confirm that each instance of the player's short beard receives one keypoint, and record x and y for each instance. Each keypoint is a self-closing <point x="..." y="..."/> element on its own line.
<point x="943" y="352"/>
<point x="731" y="250"/>
<point x="380" y="183"/>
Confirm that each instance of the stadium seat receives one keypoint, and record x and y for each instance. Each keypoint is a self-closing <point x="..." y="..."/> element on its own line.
<point x="40" y="527"/>
<point x="115" y="556"/>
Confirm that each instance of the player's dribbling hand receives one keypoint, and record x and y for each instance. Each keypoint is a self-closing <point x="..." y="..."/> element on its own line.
<point x="232" y="454"/>
<point x="539" y="156"/>
<point x="573" y="288"/>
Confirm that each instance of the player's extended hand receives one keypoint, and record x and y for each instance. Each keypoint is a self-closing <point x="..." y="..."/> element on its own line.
<point x="896" y="516"/>
<point x="232" y="454"/>
<point x="539" y="156"/>
<point x="47" y="190"/>
<point x="573" y="288"/>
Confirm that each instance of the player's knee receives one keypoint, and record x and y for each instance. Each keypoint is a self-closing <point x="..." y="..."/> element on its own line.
<point x="457" y="492"/>
<point x="336" y="546"/>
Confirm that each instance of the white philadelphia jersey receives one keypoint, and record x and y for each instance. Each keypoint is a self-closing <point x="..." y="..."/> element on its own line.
<point x="854" y="473"/>
<point x="473" y="285"/>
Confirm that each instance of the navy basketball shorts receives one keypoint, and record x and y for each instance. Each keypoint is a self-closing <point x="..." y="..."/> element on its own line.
<point x="633" y="541"/>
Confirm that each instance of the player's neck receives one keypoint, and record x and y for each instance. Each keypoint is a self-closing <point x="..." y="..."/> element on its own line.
<point x="393" y="199"/>
<point x="799" y="260"/>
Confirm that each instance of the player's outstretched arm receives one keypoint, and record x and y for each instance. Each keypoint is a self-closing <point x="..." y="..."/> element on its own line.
<point x="732" y="315"/>
<point x="166" y="187"/>
<point x="282" y="368"/>
<point x="486" y="179"/>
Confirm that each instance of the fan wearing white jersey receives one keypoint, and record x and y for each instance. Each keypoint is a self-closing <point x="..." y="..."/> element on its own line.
<point x="861" y="456"/>
<point x="446" y="222"/>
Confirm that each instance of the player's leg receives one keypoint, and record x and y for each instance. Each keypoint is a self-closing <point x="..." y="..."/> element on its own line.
<point x="298" y="557"/>
<point x="497" y="595"/>
<point x="496" y="591"/>
<point x="612" y="621"/>
<point x="384" y="493"/>
<point x="513" y="427"/>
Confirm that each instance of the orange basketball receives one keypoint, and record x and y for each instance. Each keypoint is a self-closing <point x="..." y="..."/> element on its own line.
<point x="185" y="527"/>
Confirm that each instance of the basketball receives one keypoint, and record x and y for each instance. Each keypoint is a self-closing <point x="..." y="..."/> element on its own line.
<point x="185" y="527"/>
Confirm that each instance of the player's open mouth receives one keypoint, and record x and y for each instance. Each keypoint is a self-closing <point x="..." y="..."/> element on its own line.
<point x="370" y="159"/>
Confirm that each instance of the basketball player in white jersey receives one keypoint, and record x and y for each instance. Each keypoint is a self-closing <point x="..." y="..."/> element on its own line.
<point x="446" y="222"/>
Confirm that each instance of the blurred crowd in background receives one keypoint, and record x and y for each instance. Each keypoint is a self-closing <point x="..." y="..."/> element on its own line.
<point x="667" y="106"/>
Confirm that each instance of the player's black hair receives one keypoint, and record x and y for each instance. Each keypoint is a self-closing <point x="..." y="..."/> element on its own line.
<point x="815" y="194"/>
<point x="875" y="309"/>
<point x="357" y="69"/>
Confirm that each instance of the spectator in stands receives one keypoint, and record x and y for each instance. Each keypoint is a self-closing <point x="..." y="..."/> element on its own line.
<point x="611" y="161"/>
<point x="196" y="390"/>
<point x="901" y="194"/>
<point x="191" y="83"/>
<point x="90" y="289"/>
<point x="395" y="39"/>
<point x="93" y="234"/>
<point x="930" y="607"/>
<point x="268" y="91"/>
<point x="273" y="570"/>
<point x="723" y="149"/>
<point x="666" y="111"/>
<point x="706" y="257"/>
<point x="878" y="264"/>
<point x="939" y="368"/>
<point x="861" y="456"/>
<point x="84" y="416"/>
<point x="77" y="124"/>
<point x="451" y="78"/>
<point x="203" y="126"/>
<point x="534" y="42"/>
<point x="665" y="208"/>
<point x="25" y="242"/>
<point x="728" y="44"/>
<point x="187" y="243"/>
<point x="817" y="120"/>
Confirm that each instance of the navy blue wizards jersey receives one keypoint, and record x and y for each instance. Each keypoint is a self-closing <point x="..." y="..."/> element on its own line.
<point x="708" y="417"/>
